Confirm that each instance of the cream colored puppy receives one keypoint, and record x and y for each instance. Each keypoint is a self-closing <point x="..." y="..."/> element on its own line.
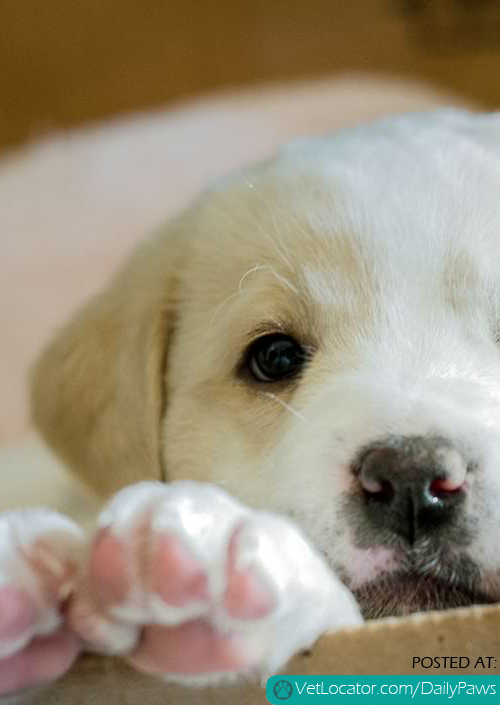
<point x="317" y="339"/>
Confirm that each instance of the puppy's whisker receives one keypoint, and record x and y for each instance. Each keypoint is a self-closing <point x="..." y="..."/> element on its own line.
<point x="252" y="186"/>
<point x="283" y="280"/>
<point x="269" y="268"/>
<point x="270" y="240"/>
<point x="268" y="237"/>
<point x="288" y="407"/>
<point x="223" y="303"/>
<point x="227" y="300"/>
<point x="258" y="267"/>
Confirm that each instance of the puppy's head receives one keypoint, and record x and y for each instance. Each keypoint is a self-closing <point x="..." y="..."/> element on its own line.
<point x="319" y="335"/>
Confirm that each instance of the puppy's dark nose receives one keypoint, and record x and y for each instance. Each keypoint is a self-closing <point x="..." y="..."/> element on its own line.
<point x="412" y="485"/>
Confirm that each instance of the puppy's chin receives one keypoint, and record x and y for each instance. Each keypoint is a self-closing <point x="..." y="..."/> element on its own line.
<point x="397" y="595"/>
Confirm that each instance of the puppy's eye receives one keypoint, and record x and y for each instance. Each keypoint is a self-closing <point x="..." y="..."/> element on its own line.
<point x="274" y="357"/>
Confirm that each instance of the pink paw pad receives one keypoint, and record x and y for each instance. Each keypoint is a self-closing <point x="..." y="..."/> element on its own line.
<point x="44" y="660"/>
<point x="177" y="577"/>
<point x="18" y="613"/>
<point x="192" y="647"/>
<point x="110" y="569"/>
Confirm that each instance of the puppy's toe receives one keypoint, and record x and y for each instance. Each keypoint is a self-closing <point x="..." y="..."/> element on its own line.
<point x="280" y="595"/>
<point x="40" y="552"/>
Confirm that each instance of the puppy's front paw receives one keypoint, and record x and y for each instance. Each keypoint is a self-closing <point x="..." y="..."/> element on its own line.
<point x="39" y="556"/>
<point x="193" y="586"/>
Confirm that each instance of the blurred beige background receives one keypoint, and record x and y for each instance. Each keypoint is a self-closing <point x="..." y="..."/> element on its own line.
<point x="64" y="62"/>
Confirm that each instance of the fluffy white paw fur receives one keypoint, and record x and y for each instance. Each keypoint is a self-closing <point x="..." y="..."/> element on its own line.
<point x="181" y="579"/>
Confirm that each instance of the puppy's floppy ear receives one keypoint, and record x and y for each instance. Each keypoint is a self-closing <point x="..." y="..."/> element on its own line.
<point x="98" y="388"/>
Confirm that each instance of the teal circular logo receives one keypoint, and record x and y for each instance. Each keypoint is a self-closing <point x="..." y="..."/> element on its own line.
<point x="283" y="690"/>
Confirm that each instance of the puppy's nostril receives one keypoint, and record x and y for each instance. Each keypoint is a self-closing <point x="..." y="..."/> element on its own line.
<point x="372" y="477"/>
<point x="453" y="479"/>
<point x="371" y="485"/>
<point x="382" y="491"/>
<point x="443" y="487"/>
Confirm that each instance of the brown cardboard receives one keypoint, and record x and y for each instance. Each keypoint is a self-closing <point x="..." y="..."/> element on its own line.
<point x="382" y="647"/>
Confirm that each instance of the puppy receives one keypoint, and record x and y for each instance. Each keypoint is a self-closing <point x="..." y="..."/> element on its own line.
<point x="309" y="356"/>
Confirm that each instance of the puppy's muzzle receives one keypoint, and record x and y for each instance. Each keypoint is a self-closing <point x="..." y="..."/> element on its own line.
<point x="412" y="486"/>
